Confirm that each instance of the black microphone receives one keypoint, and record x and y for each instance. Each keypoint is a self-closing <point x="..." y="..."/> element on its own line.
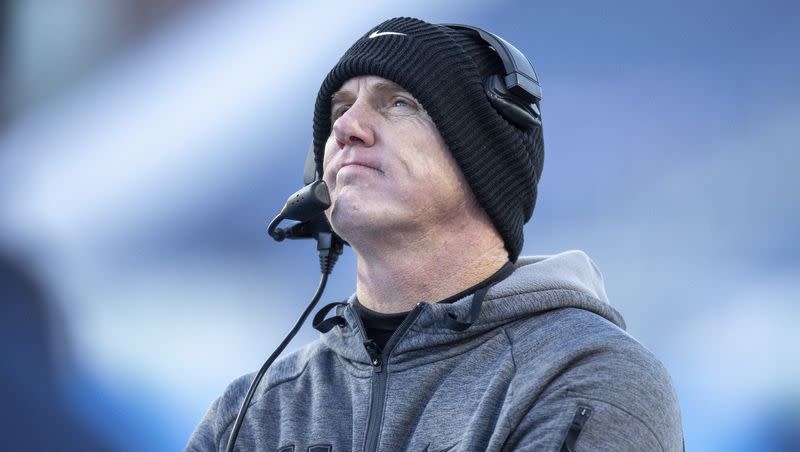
<point x="307" y="206"/>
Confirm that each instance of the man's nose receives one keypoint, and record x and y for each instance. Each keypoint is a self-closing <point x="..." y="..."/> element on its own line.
<point x="355" y="126"/>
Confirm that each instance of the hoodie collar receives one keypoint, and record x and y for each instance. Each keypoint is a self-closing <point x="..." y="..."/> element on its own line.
<point x="538" y="284"/>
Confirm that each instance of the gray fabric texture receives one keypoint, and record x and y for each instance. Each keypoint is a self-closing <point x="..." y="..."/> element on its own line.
<point x="547" y="344"/>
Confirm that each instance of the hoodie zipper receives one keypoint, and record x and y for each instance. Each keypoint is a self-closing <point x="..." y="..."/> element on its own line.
<point x="379" y="361"/>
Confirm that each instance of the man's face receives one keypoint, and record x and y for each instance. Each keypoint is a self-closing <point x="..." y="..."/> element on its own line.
<point x="386" y="166"/>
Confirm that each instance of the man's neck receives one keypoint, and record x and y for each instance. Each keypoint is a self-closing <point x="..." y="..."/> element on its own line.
<point x="395" y="278"/>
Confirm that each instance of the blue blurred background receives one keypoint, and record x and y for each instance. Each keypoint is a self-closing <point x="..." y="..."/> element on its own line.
<point x="144" y="144"/>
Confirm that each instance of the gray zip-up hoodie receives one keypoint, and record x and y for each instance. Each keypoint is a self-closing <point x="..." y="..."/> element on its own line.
<point x="546" y="367"/>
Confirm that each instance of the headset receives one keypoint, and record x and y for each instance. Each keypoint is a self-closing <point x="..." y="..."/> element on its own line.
<point x="515" y="94"/>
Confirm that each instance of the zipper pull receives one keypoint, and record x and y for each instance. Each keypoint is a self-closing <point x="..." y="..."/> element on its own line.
<point x="575" y="428"/>
<point x="374" y="353"/>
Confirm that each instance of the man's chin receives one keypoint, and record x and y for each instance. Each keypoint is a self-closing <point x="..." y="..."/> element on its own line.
<point x="351" y="219"/>
<point x="344" y="217"/>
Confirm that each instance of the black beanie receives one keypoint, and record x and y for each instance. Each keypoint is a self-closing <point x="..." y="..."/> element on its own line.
<point x="444" y="70"/>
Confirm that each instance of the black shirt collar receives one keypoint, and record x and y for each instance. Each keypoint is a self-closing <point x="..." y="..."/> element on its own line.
<point x="390" y="322"/>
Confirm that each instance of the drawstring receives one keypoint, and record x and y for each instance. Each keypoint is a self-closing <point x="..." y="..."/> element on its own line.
<point x="324" y="325"/>
<point x="474" y="312"/>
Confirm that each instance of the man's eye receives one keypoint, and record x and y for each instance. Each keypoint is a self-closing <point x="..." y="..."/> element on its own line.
<point x="402" y="103"/>
<point x="339" y="111"/>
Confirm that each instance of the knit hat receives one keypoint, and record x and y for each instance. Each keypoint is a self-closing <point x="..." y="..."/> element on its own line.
<point x="444" y="70"/>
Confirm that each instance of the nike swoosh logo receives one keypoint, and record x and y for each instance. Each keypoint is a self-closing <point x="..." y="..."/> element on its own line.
<point x="428" y="447"/>
<point x="377" y="33"/>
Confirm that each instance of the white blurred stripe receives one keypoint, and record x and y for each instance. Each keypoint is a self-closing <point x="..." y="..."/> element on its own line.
<point x="153" y="122"/>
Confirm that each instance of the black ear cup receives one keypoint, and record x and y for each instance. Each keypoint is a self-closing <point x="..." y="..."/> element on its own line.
<point x="515" y="110"/>
<point x="516" y="93"/>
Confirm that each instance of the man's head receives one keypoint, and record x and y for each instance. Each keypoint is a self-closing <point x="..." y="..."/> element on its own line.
<point x="387" y="167"/>
<point x="443" y="71"/>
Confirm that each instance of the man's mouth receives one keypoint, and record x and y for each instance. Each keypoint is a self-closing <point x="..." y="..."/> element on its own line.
<point x="359" y="164"/>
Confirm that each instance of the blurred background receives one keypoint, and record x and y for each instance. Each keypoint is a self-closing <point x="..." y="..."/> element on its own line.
<point x="144" y="145"/>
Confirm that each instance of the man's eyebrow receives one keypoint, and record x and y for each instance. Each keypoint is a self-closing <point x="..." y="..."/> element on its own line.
<point x="388" y="87"/>
<point x="342" y="96"/>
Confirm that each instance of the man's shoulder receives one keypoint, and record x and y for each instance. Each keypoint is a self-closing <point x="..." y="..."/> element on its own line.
<point x="589" y="361"/>
<point x="570" y="338"/>
<point x="285" y="369"/>
<point x="220" y="415"/>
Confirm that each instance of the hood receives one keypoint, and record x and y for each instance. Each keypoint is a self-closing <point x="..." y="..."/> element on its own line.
<point x="537" y="285"/>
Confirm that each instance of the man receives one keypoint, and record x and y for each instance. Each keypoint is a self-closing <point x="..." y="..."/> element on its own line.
<point x="451" y="341"/>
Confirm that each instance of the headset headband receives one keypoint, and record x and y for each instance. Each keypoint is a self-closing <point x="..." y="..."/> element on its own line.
<point x="520" y="78"/>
